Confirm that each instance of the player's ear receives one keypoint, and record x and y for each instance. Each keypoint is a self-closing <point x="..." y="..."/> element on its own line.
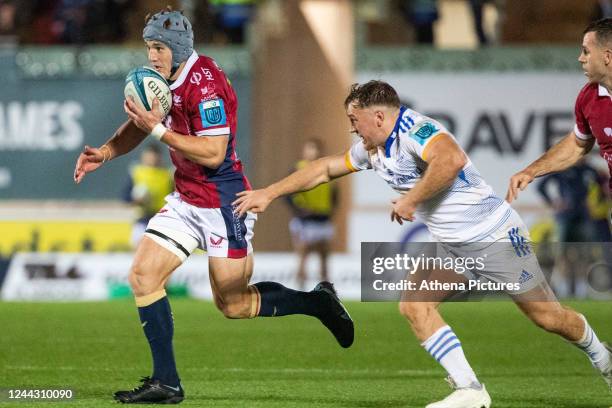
<point x="608" y="56"/>
<point x="380" y="117"/>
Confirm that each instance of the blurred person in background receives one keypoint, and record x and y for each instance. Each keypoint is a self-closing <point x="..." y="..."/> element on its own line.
<point x="70" y="21"/>
<point x="421" y="14"/>
<point x="149" y="183"/>
<point x="603" y="9"/>
<point x="566" y="194"/>
<point x="76" y="21"/>
<point x="107" y="20"/>
<point x="232" y="18"/>
<point x="599" y="205"/>
<point x="8" y="9"/>
<point x="477" y="8"/>
<point x="311" y="226"/>
<point x="41" y="27"/>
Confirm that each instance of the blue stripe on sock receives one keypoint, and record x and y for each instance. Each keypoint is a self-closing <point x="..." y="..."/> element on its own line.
<point x="454" y="346"/>
<point x="439" y="338"/>
<point x="450" y="339"/>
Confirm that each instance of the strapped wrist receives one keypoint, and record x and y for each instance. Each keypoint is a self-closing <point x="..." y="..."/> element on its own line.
<point x="158" y="131"/>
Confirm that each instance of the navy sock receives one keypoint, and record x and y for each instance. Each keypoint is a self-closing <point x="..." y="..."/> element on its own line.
<point x="158" y="326"/>
<point x="277" y="300"/>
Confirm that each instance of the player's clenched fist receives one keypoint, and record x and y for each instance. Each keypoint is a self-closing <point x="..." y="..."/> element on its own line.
<point x="518" y="182"/>
<point x="89" y="160"/>
<point x="253" y="200"/>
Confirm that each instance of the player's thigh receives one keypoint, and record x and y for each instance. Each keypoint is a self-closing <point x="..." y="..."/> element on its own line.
<point x="167" y="242"/>
<point x="152" y="265"/>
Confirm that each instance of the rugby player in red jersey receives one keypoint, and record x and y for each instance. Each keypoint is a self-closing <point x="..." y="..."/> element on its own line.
<point x="593" y="112"/>
<point x="200" y="131"/>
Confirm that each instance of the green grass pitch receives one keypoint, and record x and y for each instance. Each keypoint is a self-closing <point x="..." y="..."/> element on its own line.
<point x="97" y="348"/>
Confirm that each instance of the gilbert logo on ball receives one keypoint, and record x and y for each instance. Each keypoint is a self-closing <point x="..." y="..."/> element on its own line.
<point x="144" y="84"/>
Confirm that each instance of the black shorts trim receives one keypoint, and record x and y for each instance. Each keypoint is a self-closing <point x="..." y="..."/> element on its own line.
<point x="170" y="240"/>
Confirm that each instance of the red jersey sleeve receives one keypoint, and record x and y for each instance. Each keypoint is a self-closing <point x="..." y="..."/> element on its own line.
<point x="209" y="110"/>
<point x="582" y="128"/>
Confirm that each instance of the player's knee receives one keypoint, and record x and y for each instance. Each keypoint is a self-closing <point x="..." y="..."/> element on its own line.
<point x="218" y="303"/>
<point x="235" y="310"/>
<point x="415" y="312"/>
<point x="141" y="281"/>
<point x="135" y="280"/>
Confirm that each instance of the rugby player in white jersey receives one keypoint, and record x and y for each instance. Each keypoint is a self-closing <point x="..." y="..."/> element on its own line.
<point x="420" y="159"/>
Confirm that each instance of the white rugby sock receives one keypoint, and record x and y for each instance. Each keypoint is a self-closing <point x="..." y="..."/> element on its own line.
<point x="590" y="344"/>
<point x="446" y="348"/>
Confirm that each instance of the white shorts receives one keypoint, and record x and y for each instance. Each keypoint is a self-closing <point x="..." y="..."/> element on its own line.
<point x="181" y="228"/>
<point x="310" y="231"/>
<point x="508" y="256"/>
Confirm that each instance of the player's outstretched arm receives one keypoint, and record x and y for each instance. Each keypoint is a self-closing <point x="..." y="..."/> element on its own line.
<point x="126" y="138"/>
<point x="561" y="156"/>
<point x="318" y="172"/>
<point x="445" y="159"/>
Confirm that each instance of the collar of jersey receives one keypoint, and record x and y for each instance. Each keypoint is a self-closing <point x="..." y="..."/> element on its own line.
<point x="190" y="61"/>
<point x="602" y="91"/>
<point x="394" y="133"/>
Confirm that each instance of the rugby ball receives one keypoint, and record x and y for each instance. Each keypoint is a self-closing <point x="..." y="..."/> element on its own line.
<point x="144" y="84"/>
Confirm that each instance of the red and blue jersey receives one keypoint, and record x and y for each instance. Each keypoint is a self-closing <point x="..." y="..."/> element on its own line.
<point x="205" y="104"/>
<point x="593" y="112"/>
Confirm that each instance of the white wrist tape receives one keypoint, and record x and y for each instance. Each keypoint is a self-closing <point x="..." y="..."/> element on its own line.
<point x="158" y="131"/>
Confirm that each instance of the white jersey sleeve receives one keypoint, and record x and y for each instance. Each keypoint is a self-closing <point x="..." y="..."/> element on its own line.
<point x="357" y="158"/>
<point x="420" y="136"/>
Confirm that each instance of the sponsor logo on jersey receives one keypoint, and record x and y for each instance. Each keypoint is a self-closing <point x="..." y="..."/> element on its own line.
<point x="196" y="78"/>
<point x="177" y="99"/>
<point x="208" y="89"/>
<point x="208" y="92"/>
<point x="205" y="98"/>
<point x="608" y="131"/>
<point x="212" y="113"/>
<point x="207" y="74"/>
<point x="423" y="132"/>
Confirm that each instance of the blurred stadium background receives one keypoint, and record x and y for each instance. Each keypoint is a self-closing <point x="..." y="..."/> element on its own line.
<point x="507" y="91"/>
<point x="502" y="75"/>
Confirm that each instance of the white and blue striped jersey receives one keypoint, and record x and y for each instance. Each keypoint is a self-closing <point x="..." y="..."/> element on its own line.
<point x="466" y="211"/>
